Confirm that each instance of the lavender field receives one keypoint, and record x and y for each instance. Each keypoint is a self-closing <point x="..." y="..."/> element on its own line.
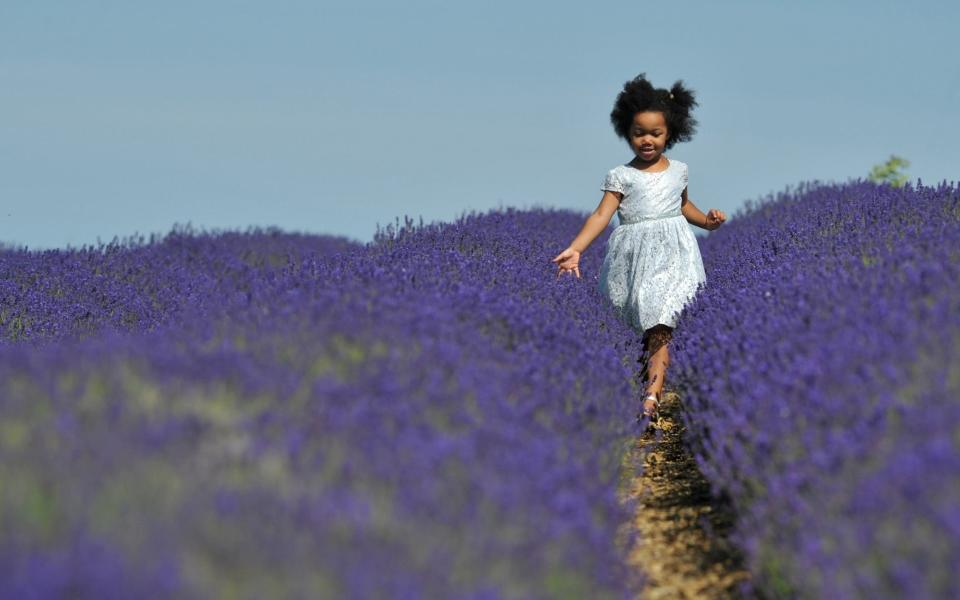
<point x="821" y="370"/>
<point x="264" y="415"/>
<point x="436" y="415"/>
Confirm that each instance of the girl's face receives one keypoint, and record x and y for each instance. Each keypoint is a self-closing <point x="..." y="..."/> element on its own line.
<point x="648" y="135"/>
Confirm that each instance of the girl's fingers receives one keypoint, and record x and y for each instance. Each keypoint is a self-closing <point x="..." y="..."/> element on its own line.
<point x="716" y="216"/>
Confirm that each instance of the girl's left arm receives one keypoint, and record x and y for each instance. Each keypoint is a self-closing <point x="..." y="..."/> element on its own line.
<point x="696" y="217"/>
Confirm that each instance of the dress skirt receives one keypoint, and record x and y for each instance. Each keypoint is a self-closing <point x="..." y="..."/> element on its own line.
<point x="651" y="271"/>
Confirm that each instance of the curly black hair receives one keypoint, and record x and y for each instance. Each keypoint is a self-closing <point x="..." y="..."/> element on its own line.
<point x="639" y="95"/>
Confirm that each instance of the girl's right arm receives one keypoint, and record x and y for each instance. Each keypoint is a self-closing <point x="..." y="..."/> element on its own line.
<point x="569" y="259"/>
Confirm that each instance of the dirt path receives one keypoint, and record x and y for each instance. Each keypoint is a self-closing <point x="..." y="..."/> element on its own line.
<point x="679" y="557"/>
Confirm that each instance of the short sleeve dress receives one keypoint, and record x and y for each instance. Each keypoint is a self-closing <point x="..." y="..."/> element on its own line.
<point x="653" y="266"/>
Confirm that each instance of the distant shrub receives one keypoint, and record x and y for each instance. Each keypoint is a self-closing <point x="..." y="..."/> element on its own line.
<point x="889" y="172"/>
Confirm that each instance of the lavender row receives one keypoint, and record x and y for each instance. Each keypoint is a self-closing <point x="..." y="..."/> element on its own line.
<point x="820" y="372"/>
<point x="263" y="415"/>
<point x="135" y="284"/>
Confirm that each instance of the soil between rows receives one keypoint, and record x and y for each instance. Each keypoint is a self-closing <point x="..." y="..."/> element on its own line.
<point x="682" y="547"/>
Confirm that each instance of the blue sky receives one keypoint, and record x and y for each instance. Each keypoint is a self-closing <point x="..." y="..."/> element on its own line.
<point x="124" y="117"/>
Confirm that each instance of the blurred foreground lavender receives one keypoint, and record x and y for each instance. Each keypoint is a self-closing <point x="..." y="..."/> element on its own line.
<point x="266" y="415"/>
<point x="821" y="368"/>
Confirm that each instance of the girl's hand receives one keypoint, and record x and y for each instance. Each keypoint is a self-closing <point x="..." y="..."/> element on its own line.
<point x="568" y="260"/>
<point x="715" y="219"/>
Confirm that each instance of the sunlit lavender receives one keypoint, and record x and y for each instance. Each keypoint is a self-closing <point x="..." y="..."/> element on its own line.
<point x="822" y="373"/>
<point x="436" y="415"/>
<point x="269" y="415"/>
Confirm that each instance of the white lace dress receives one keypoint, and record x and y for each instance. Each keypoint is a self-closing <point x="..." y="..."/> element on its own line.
<point x="653" y="267"/>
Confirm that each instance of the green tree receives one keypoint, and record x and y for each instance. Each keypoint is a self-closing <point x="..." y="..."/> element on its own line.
<point x="889" y="172"/>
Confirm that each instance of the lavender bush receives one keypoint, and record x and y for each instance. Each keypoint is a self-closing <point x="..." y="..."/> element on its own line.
<point x="135" y="284"/>
<point x="820" y="369"/>
<point x="433" y="414"/>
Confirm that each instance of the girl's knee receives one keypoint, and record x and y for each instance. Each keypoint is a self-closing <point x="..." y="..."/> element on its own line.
<point x="657" y="336"/>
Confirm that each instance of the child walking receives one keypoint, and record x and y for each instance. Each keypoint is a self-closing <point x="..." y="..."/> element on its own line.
<point x="652" y="267"/>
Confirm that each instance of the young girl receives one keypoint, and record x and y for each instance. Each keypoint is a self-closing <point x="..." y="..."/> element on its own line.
<point x="653" y="267"/>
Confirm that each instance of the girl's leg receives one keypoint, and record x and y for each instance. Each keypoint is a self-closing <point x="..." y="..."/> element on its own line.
<point x="656" y="339"/>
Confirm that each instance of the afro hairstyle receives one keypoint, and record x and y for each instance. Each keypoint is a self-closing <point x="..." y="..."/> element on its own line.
<point x="638" y="95"/>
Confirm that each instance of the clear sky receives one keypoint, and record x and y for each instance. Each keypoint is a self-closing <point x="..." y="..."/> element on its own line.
<point x="126" y="116"/>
